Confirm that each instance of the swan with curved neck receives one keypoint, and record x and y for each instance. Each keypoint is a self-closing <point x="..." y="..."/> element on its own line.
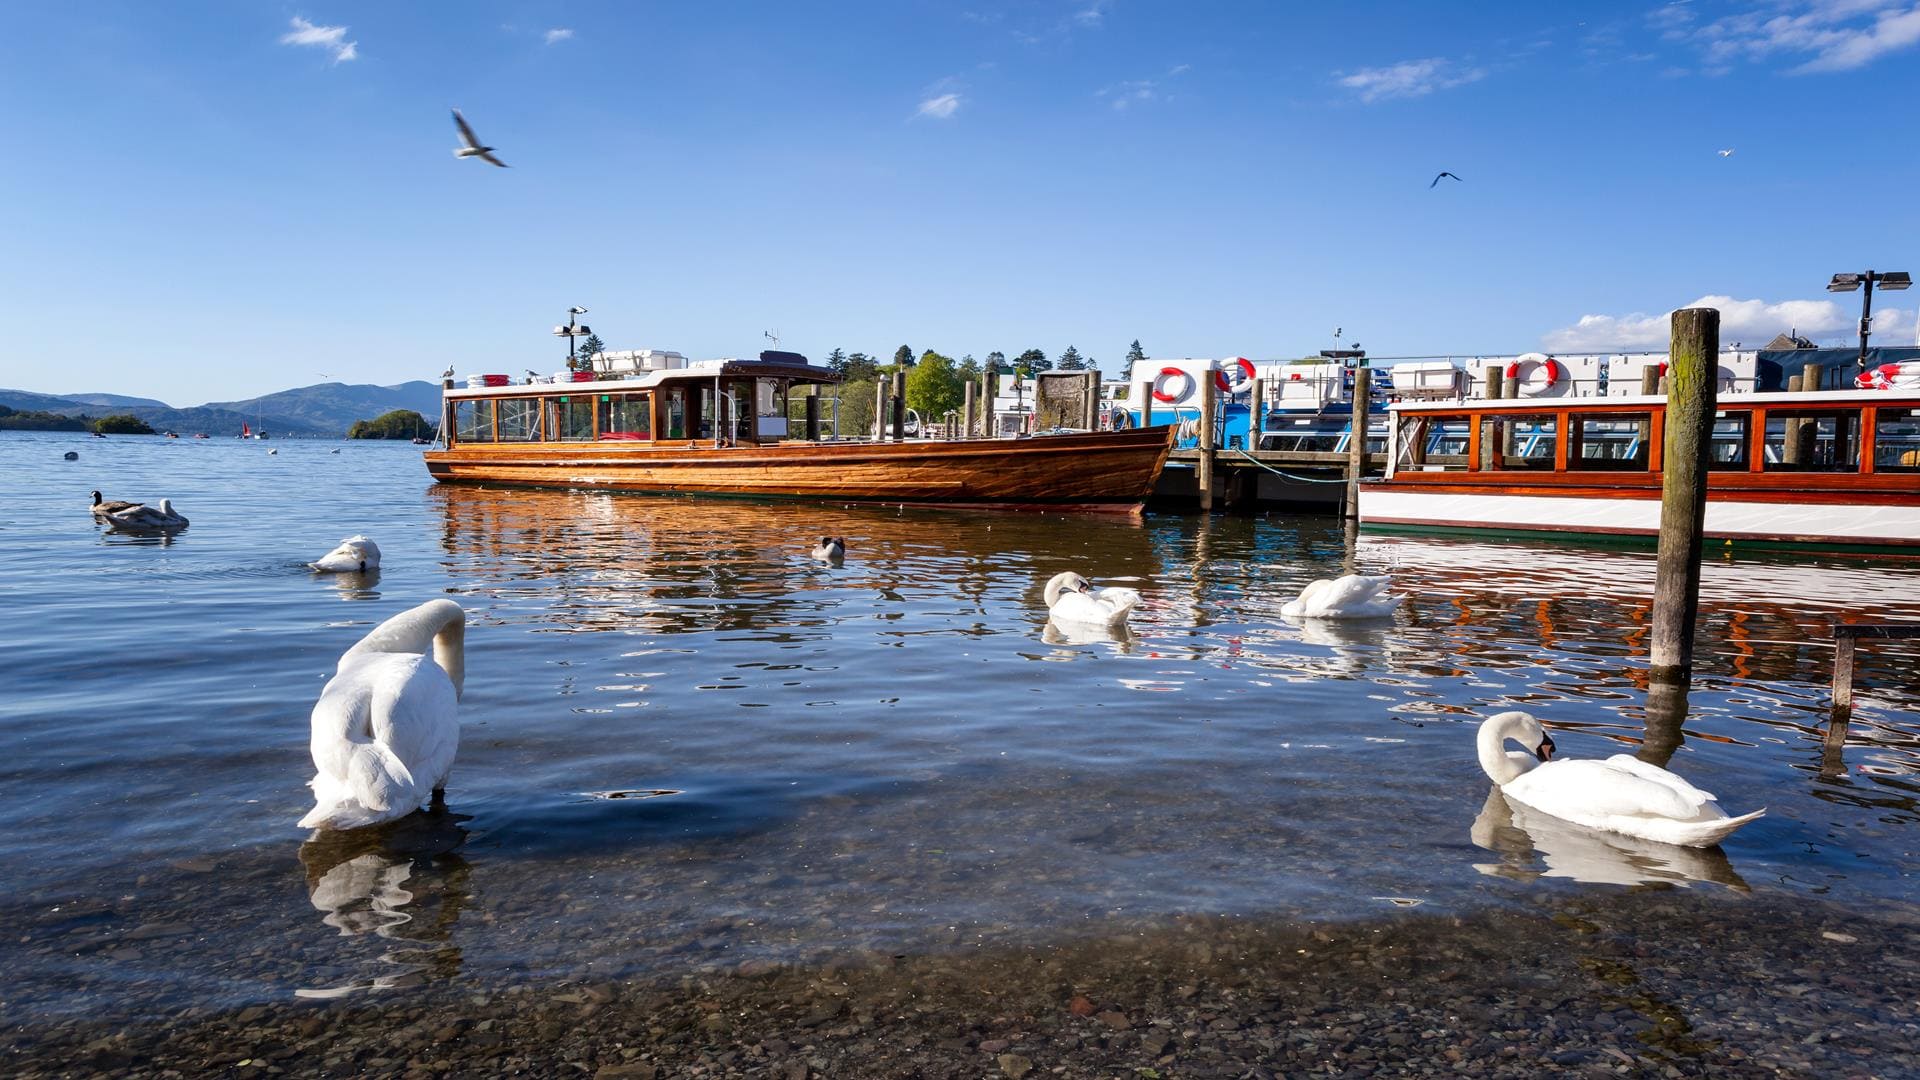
<point x="1073" y="599"/>
<point x="356" y="554"/>
<point x="386" y="726"/>
<point x="1620" y="794"/>
<point x="140" y="518"/>
<point x="1351" y="597"/>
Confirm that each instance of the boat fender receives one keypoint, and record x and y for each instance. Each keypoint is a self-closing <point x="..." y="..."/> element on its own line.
<point x="1900" y="376"/>
<point x="1546" y="363"/>
<point x="1160" y="392"/>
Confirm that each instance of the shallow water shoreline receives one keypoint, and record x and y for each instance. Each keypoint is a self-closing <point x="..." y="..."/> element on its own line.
<point x="1656" y="983"/>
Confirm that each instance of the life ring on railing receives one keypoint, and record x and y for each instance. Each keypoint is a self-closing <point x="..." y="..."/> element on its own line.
<point x="1901" y="376"/>
<point x="1159" y="386"/>
<point x="1238" y="373"/>
<point x="1119" y="419"/>
<point x="1540" y="362"/>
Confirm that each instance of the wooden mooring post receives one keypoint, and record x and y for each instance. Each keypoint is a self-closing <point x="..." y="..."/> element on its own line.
<point x="813" y="413"/>
<point x="1203" y="469"/>
<point x="1357" y="438"/>
<point x="1495" y="382"/>
<point x="900" y="406"/>
<point x="1692" y="378"/>
<point x="1844" y="637"/>
<point x="966" y="410"/>
<point x="880" y="410"/>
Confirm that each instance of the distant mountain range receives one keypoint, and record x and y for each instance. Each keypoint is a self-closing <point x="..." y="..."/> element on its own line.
<point x="321" y="409"/>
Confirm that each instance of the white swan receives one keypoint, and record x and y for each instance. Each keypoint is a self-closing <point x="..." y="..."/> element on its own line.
<point x="1621" y="794"/>
<point x="1073" y="599"/>
<point x="386" y="727"/>
<point x="1350" y="597"/>
<point x="355" y="554"/>
<point x="147" y="518"/>
<point x="830" y="548"/>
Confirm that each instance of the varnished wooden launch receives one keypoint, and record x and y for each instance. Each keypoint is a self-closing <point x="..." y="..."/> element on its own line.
<point x="720" y="428"/>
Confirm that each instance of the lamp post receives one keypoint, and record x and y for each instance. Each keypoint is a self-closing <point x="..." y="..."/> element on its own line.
<point x="1890" y="280"/>
<point x="573" y="329"/>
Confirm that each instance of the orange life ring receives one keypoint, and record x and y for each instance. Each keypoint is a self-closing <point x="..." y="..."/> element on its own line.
<point x="1159" y="389"/>
<point x="1547" y="363"/>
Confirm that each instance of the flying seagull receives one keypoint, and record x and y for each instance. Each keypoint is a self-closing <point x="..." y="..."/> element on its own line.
<point x="1444" y="175"/>
<point x="473" y="147"/>
<point x="1725" y="153"/>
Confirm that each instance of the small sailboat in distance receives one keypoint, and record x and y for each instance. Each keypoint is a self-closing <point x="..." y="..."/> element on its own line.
<point x="245" y="431"/>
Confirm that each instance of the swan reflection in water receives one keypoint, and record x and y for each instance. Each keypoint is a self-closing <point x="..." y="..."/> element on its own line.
<point x="353" y="584"/>
<point x="1121" y="637"/>
<point x="402" y="882"/>
<point x="1525" y="839"/>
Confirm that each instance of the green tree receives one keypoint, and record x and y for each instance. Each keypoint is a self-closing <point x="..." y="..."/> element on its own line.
<point x="1071" y="361"/>
<point x="933" y="387"/>
<point x="32" y="420"/>
<point x="398" y="424"/>
<point x="589" y="347"/>
<point x="855" y="409"/>
<point x="903" y="357"/>
<point x="968" y="370"/>
<point x="837" y="362"/>
<point x="1134" y="353"/>
<point x="122" y="424"/>
<point x="860" y="368"/>
<point x="997" y="361"/>
<point x="1032" y="362"/>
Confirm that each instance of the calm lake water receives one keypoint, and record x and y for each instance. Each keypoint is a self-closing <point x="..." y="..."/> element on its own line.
<point x="687" y="746"/>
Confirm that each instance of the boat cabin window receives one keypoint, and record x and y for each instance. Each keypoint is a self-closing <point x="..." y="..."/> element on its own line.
<point x="1610" y="442"/>
<point x="770" y="408"/>
<point x="626" y="416"/>
<point x="1730" y="441"/>
<point x="674" y="412"/>
<point x="1808" y="441"/>
<point x="473" y="420"/>
<point x="1896" y="441"/>
<point x="519" y="420"/>
<point x="1522" y="442"/>
<point x="570" y="418"/>
<point x="1434" y="442"/>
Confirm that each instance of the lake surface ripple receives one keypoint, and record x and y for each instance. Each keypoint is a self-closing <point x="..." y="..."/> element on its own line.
<point x="688" y="747"/>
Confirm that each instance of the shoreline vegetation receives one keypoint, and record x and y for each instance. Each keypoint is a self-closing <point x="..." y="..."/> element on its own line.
<point x="32" y="420"/>
<point x="1654" y="983"/>
<point x="397" y="424"/>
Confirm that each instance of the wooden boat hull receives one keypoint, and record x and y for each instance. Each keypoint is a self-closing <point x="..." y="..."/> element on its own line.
<point x="1101" y="471"/>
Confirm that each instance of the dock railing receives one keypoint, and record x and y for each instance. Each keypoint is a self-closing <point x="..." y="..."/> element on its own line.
<point x="1845" y="636"/>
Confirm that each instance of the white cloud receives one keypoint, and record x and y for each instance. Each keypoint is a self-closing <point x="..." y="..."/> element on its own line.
<point x="331" y="38"/>
<point x="940" y="107"/>
<point x="1750" y="322"/>
<point x="1124" y="95"/>
<point x="1093" y="14"/>
<point x="558" y="33"/>
<point x="1411" y="78"/>
<point x="1834" y="35"/>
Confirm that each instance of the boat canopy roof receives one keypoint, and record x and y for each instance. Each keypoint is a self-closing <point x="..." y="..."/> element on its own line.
<point x="792" y="367"/>
<point x="1777" y="364"/>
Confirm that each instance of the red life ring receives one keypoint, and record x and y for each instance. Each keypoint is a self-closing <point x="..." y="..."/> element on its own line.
<point x="1159" y="391"/>
<point x="1547" y="363"/>
<point x="1220" y="382"/>
<point x="1900" y="376"/>
<point x="1239" y="372"/>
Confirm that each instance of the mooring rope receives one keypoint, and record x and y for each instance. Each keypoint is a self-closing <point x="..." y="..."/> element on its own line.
<point x="1289" y="476"/>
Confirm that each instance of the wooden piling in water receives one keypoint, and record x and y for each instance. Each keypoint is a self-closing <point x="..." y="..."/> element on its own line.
<point x="813" y="413"/>
<point x="1357" y="438"/>
<point x="1493" y="387"/>
<point x="989" y="387"/>
<point x="900" y="406"/>
<point x="1256" y="414"/>
<point x="1692" y="378"/>
<point x="1209" y="400"/>
<point x="1649" y="380"/>
<point x="966" y="409"/>
<point x="880" y="410"/>
<point x="1844" y="637"/>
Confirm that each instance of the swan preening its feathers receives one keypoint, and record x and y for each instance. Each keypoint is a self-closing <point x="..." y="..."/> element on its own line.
<point x="356" y="554"/>
<point x="1073" y="599"/>
<point x="1621" y="794"/>
<point x="386" y="726"/>
<point x="139" y="518"/>
<point x="830" y="548"/>
<point x="1350" y="597"/>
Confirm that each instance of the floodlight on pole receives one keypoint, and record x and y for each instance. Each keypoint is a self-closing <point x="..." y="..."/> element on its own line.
<point x="1891" y="280"/>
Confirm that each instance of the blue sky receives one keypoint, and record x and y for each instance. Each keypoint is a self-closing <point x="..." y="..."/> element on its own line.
<point x="209" y="201"/>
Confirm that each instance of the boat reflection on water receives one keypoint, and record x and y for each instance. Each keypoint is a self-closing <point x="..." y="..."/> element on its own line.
<point x="666" y="564"/>
<point x="403" y="883"/>
<point x="1533" y="845"/>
